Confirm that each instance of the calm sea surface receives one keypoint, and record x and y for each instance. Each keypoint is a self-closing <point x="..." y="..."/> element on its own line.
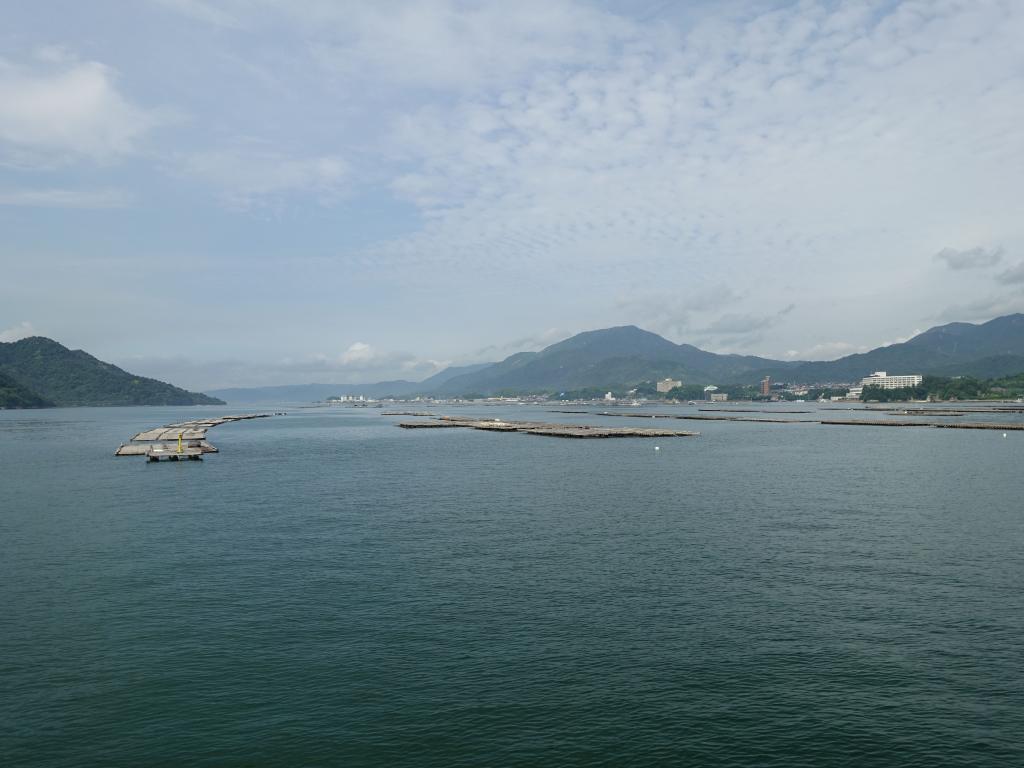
<point x="332" y="590"/>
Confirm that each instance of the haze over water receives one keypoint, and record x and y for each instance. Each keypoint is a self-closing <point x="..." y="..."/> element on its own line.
<point x="330" y="589"/>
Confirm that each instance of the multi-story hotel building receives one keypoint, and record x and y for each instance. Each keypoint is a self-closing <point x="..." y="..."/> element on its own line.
<point x="883" y="380"/>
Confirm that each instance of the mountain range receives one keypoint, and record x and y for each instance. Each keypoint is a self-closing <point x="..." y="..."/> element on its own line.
<point x="627" y="355"/>
<point x="38" y="372"/>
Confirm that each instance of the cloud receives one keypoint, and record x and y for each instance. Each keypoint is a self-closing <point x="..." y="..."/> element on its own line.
<point x="1014" y="274"/>
<point x="735" y="136"/>
<point x="360" y="363"/>
<point x="972" y="258"/>
<point x="62" y="110"/>
<point x="532" y="343"/>
<point x="826" y="350"/>
<point x="252" y="176"/>
<point x="540" y="160"/>
<point x="734" y="323"/>
<point x="983" y="308"/>
<point x="66" y="198"/>
<point x="674" y="315"/>
<point x="358" y="354"/>
<point x="902" y="339"/>
<point x="22" y="330"/>
<point x="447" y="45"/>
<point x="200" y="10"/>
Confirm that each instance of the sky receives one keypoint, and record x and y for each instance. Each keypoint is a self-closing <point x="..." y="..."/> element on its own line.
<point x="227" y="193"/>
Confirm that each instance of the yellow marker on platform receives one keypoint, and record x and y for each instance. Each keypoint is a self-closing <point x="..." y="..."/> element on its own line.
<point x="179" y="442"/>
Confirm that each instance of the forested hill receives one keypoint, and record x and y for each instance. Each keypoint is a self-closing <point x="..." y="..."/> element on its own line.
<point x="628" y="355"/>
<point x="15" y="395"/>
<point x="67" y="377"/>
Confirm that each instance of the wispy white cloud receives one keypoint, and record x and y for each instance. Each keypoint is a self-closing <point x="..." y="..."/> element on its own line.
<point x="65" y="198"/>
<point x="533" y="343"/>
<point x="255" y="175"/>
<point x="447" y="45"/>
<point x="201" y="10"/>
<point x="366" y="366"/>
<point x="57" y="110"/>
<point x="826" y="350"/>
<point x="22" y="330"/>
<point x="778" y="133"/>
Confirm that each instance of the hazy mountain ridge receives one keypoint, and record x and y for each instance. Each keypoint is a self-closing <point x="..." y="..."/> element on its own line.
<point x="314" y="392"/>
<point x="65" y="377"/>
<point x="627" y="355"/>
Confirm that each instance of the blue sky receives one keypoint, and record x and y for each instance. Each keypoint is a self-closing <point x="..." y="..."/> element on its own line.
<point x="222" y="193"/>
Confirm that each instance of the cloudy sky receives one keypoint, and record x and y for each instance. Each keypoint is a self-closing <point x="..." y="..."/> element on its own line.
<point x="222" y="192"/>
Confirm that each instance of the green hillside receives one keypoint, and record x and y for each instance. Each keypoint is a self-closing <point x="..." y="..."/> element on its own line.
<point x="627" y="355"/>
<point x="72" y="377"/>
<point x="15" y="395"/>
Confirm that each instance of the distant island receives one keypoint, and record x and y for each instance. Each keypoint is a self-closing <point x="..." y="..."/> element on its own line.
<point x="40" y="373"/>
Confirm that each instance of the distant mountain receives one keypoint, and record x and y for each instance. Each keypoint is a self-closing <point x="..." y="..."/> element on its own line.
<point x="15" y="395"/>
<point x="627" y="355"/>
<point x="306" y="393"/>
<point x="67" y="377"/>
<point x="995" y="348"/>
<point x="608" y="357"/>
<point x="313" y="392"/>
<point x="449" y="373"/>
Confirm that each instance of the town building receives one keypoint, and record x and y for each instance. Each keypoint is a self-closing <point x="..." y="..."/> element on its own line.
<point x="667" y="385"/>
<point x="719" y="397"/>
<point x="885" y="381"/>
<point x="766" y="385"/>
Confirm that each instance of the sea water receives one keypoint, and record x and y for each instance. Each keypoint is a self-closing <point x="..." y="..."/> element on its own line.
<point x="332" y="590"/>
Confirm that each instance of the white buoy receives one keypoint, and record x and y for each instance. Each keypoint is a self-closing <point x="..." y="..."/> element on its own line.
<point x="657" y="448"/>
<point x="1004" y="434"/>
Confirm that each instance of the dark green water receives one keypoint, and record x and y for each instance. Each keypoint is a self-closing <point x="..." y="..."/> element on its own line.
<point x="331" y="590"/>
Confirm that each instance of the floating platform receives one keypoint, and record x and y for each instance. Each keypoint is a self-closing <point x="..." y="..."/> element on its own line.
<point x="173" y="454"/>
<point x="143" y="449"/>
<point x="933" y="424"/>
<point x="703" y="417"/>
<point x="185" y="439"/>
<point x="543" y="428"/>
<point x="1013" y="427"/>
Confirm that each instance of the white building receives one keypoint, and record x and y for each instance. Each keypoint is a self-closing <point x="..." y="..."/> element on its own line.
<point x="666" y="385"/>
<point x="883" y="380"/>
